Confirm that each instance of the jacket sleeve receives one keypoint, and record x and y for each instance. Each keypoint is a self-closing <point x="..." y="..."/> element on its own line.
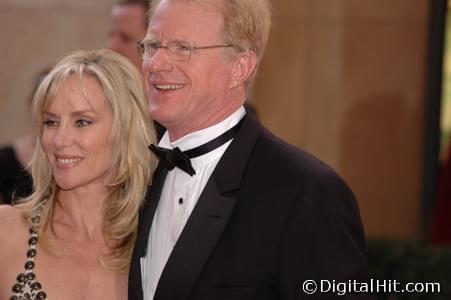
<point x="322" y="243"/>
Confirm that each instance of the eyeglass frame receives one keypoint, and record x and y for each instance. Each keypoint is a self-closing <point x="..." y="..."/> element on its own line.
<point x="140" y="47"/>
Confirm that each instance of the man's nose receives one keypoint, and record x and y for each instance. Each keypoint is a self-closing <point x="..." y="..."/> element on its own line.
<point x="160" y="62"/>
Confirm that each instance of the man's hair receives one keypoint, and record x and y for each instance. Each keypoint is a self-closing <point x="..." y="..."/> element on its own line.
<point x="132" y="164"/>
<point x="246" y="24"/>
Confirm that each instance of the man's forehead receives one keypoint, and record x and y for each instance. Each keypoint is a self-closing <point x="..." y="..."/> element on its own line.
<point x="216" y="4"/>
<point x="184" y="17"/>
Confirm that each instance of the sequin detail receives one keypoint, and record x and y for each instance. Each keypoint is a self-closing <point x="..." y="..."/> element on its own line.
<point x="26" y="286"/>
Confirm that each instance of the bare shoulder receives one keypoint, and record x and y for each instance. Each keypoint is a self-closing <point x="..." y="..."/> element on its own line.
<point x="13" y="232"/>
<point x="10" y="214"/>
<point x="13" y="241"/>
<point x="12" y="226"/>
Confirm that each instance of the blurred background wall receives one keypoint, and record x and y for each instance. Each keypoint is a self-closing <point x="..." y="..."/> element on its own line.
<point x="343" y="79"/>
<point x="35" y="34"/>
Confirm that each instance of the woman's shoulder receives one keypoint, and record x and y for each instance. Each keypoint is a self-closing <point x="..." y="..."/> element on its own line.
<point x="14" y="231"/>
<point x="13" y="241"/>
<point x="12" y="224"/>
<point x="10" y="214"/>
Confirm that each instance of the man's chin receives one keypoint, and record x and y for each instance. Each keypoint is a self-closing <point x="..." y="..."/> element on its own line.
<point x="161" y="117"/>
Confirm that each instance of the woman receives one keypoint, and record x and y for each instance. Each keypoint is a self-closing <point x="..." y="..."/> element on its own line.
<point x="73" y="237"/>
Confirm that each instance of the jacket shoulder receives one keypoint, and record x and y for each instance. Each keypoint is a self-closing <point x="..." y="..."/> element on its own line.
<point x="285" y="158"/>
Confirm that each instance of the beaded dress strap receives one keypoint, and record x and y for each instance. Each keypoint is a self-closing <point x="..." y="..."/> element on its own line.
<point x="26" y="286"/>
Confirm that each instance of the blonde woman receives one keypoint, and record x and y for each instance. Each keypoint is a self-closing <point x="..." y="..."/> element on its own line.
<point x="73" y="237"/>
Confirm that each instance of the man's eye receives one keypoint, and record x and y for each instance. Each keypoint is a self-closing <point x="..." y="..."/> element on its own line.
<point x="50" y="123"/>
<point x="183" y="47"/>
<point x="154" y="45"/>
<point x="82" y="123"/>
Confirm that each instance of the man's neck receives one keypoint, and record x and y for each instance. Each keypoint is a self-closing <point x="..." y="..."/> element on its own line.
<point x="175" y="135"/>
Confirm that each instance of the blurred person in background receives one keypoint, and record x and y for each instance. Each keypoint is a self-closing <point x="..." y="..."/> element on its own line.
<point x="15" y="179"/>
<point x="91" y="168"/>
<point x="128" y="25"/>
<point x="441" y="223"/>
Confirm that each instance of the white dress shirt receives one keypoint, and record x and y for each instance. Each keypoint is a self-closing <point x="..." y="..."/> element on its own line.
<point x="178" y="198"/>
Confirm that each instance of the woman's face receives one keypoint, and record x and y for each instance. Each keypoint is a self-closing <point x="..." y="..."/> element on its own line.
<point x="76" y="134"/>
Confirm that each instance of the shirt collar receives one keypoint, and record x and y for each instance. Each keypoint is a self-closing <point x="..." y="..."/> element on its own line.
<point x="205" y="135"/>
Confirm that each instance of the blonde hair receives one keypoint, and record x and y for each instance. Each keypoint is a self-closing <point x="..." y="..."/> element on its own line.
<point x="246" y="25"/>
<point x="131" y="133"/>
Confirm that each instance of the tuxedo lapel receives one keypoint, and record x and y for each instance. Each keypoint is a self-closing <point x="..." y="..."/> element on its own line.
<point x="195" y="243"/>
<point x="208" y="219"/>
<point x="145" y="222"/>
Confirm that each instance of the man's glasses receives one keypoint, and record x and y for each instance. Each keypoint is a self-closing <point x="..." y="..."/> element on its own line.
<point x="177" y="50"/>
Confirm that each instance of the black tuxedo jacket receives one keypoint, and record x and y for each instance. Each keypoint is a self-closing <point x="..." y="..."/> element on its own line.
<point x="270" y="217"/>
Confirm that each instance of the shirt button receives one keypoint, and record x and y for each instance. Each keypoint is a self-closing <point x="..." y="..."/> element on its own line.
<point x="181" y="200"/>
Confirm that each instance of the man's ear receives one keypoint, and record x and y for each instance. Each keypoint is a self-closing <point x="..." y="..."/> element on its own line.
<point x="243" y="67"/>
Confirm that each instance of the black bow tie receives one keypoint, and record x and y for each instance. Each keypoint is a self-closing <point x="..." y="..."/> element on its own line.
<point x="171" y="158"/>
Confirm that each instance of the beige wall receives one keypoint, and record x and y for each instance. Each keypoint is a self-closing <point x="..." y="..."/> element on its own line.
<point x="35" y="34"/>
<point x="343" y="79"/>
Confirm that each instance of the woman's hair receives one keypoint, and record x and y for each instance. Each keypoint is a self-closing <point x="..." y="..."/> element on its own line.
<point x="131" y="133"/>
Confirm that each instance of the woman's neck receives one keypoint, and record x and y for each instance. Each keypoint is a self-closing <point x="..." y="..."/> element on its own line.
<point x="80" y="213"/>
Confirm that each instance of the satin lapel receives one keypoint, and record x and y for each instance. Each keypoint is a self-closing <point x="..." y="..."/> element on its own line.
<point x="145" y="222"/>
<point x="196" y="242"/>
<point x="209" y="217"/>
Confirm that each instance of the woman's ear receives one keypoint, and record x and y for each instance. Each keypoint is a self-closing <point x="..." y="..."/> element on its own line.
<point x="243" y="67"/>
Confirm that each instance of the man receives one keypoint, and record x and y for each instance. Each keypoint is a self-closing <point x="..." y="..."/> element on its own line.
<point x="127" y="27"/>
<point x="233" y="212"/>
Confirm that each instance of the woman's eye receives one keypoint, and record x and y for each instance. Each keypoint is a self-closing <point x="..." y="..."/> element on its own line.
<point x="82" y="123"/>
<point x="50" y="123"/>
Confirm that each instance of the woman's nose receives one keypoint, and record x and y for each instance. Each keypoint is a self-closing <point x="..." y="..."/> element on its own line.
<point x="63" y="137"/>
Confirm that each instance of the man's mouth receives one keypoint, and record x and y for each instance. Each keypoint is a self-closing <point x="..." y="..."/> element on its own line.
<point x="168" y="87"/>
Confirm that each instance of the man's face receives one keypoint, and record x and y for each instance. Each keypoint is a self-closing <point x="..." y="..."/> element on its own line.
<point x="186" y="96"/>
<point x="126" y="28"/>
